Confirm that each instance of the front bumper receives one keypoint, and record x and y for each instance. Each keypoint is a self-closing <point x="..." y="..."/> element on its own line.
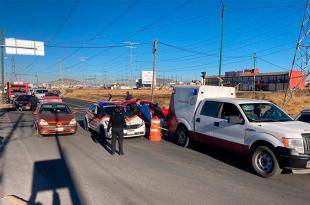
<point x="290" y="159"/>
<point x="52" y="130"/>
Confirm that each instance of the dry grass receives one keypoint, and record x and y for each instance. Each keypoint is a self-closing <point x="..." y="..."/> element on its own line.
<point x="160" y="96"/>
<point x="299" y="101"/>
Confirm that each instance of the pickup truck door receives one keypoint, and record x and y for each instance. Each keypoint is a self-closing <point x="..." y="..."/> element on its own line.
<point x="229" y="128"/>
<point x="206" y="116"/>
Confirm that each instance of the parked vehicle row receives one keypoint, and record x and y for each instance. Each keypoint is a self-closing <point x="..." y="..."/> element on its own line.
<point x="210" y="114"/>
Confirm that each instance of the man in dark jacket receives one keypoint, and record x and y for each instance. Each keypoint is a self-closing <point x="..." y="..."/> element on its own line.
<point x="117" y="123"/>
<point x="128" y="96"/>
<point x="34" y="102"/>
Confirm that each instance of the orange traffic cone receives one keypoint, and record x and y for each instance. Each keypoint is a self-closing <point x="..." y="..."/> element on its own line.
<point x="155" y="130"/>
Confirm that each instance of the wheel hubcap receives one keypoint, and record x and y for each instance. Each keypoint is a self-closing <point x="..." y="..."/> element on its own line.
<point x="264" y="162"/>
<point x="182" y="137"/>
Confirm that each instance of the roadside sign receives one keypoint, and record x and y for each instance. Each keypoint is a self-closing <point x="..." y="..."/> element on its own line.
<point x="24" y="47"/>
<point x="147" y="77"/>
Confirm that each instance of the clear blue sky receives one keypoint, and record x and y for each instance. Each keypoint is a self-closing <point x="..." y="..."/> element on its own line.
<point x="268" y="27"/>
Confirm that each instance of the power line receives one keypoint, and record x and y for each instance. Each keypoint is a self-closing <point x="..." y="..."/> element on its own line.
<point x="68" y="17"/>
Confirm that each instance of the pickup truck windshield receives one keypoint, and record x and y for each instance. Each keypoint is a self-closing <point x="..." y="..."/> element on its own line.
<point x="264" y="112"/>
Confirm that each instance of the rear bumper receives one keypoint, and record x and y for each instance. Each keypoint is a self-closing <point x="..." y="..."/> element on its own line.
<point x="290" y="159"/>
<point x="52" y="130"/>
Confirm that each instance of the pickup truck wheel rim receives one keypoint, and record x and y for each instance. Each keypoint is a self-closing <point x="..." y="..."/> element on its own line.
<point x="182" y="137"/>
<point x="264" y="162"/>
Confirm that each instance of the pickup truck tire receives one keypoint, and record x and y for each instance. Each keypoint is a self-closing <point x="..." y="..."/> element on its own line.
<point x="86" y="124"/>
<point x="182" y="136"/>
<point x="264" y="162"/>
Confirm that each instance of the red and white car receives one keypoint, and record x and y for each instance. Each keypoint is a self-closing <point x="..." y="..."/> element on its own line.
<point x="98" y="114"/>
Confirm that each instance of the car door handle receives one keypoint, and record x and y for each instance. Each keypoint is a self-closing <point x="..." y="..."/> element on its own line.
<point x="217" y="124"/>
<point x="197" y="119"/>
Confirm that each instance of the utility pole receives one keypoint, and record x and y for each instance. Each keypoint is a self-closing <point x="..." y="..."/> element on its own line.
<point x="254" y="68"/>
<point x="61" y="72"/>
<point x="2" y="64"/>
<point x="37" y="79"/>
<point x="154" y="68"/>
<point x="221" y="48"/>
<point x="131" y="45"/>
<point x="14" y="76"/>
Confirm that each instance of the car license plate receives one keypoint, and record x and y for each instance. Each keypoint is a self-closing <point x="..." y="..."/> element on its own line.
<point x="308" y="164"/>
<point x="27" y="107"/>
<point x="130" y="132"/>
<point x="59" y="129"/>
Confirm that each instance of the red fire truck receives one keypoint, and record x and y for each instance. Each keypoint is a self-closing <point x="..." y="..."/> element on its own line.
<point x="15" y="89"/>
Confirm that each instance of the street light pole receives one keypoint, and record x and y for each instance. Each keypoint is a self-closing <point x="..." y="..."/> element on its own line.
<point x="221" y="48"/>
<point x="131" y="45"/>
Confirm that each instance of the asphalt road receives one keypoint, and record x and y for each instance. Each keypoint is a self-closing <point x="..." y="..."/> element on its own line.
<point x="78" y="169"/>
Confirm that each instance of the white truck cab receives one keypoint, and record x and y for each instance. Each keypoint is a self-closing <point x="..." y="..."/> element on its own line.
<point x="256" y="128"/>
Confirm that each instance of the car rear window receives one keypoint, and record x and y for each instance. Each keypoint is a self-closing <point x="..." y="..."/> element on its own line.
<point x="24" y="98"/>
<point x="54" y="109"/>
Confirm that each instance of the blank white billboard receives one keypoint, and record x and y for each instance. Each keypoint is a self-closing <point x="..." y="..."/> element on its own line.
<point x="24" y="47"/>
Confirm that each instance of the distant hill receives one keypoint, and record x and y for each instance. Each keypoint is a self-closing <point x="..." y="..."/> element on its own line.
<point x="66" y="81"/>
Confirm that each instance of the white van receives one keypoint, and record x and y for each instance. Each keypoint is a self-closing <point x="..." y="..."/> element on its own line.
<point x="256" y="128"/>
<point x="40" y="92"/>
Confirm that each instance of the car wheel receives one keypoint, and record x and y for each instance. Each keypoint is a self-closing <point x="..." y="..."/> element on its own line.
<point x="264" y="162"/>
<point x="182" y="136"/>
<point x="86" y="125"/>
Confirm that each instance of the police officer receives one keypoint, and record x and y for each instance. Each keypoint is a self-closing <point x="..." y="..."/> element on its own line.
<point x="117" y="123"/>
<point x="34" y="102"/>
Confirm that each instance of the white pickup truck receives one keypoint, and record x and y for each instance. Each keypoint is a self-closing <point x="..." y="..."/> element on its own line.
<point x="259" y="129"/>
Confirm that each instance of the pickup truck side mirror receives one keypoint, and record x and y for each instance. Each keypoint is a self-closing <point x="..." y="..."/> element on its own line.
<point x="235" y="120"/>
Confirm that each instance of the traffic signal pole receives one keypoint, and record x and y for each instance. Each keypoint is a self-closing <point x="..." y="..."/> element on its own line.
<point x="221" y="48"/>
<point x="154" y="68"/>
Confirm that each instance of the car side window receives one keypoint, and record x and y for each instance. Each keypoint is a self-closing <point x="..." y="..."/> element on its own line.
<point x="92" y="108"/>
<point x="229" y="111"/>
<point x="210" y="109"/>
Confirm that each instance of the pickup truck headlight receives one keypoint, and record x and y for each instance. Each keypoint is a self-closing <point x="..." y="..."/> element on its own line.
<point x="43" y="122"/>
<point x="296" y="144"/>
<point x="73" y="122"/>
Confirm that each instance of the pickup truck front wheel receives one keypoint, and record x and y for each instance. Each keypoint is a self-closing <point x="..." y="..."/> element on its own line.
<point x="182" y="136"/>
<point x="264" y="162"/>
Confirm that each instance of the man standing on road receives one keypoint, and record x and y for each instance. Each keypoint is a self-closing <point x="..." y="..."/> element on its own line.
<point x="128" y="96"/>
<point x="34" y="102"/>
<point x="117" y="123"/>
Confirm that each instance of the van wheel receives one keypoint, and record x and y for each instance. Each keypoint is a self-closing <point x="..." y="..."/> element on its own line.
<point x="264" y="162"/>
<point x="86" y="128"/>
<point x="182" y="136"/>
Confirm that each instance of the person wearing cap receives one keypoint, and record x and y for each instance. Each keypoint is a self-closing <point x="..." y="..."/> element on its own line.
<point x="117" y="123"/>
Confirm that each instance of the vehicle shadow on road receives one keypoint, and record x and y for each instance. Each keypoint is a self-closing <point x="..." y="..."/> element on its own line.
<point x="102" y="140"/>
<point x="97" y="138"/>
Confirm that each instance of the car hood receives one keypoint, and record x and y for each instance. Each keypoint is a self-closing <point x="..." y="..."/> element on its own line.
<point x="54" y="118"/>
<point x="290" y="129"/>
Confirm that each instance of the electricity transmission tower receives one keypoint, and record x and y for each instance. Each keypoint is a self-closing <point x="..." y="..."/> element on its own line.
<point x="301" y="58"/>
